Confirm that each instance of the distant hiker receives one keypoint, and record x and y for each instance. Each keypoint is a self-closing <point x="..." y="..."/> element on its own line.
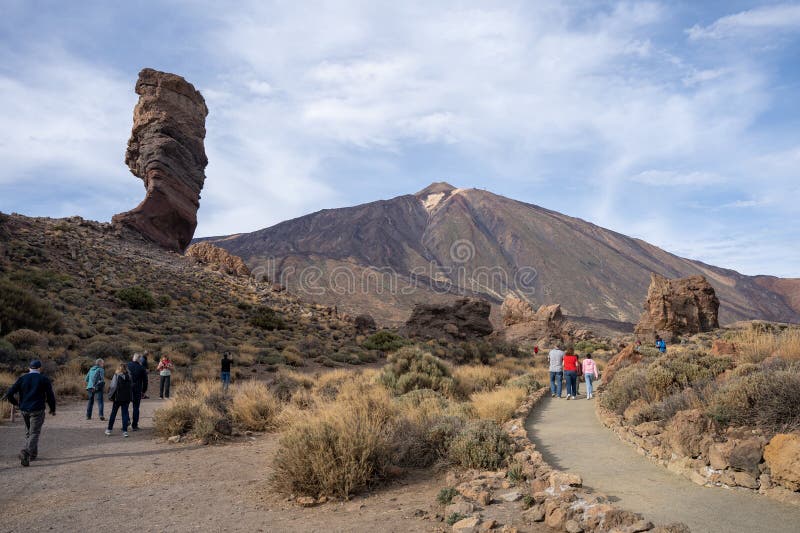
<point x="571" y="372"/>
<point x="34" y="390"/>
<point x="535" y="350"/>
<point x="556" y="371"/>
<point x="226" y="372"/>
<point x="638" y="346"/>
<point x="661" y="345"/>
<point x="147" y="371"/>
<point x="139" y="381"/>
<point x="95" y="383"/>
<point x="165" y="367"/>
<point x="590" y="374"/>
<point x="121" y="393"/>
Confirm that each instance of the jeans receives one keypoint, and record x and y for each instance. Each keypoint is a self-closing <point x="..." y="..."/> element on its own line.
<point x="571" y="377"/>
<point x="95" y="394"/>
<point x="136" y="399"/>
<point x="33" y="428"/>
<point x="555" y="383"/>
<point x="125" y="415"/>
<point x="589" y="386"/>
<point x="164" y="387"/>
<point x="226" y="380"/>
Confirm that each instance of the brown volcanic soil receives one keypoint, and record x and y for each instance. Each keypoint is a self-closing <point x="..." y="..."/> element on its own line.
<point x="591" y="271"/>
<point x="84" y="480"/>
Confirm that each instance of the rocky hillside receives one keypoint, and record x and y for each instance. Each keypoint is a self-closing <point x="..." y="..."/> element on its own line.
<point x="74" y="290"/>
<point x="385" y="256"/>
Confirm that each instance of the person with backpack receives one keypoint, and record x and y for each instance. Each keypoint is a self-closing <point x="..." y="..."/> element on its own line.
<point x="34" y="391"/>
<point x="225" y="373"/>
<point x="590" y="374"/>
<point x="571" y="372"/>
<point x="95" y="383"/>
<point x="165" y="367"/>
<point x="121" y="393"/>
<point x="661" y="345"/>
<point x="139" y="381"/>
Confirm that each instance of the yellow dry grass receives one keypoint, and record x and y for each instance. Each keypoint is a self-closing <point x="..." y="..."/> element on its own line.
<point x="476" y="378"/>
<point x="254" y="407"/>
<point x="753" y="345"/>
<point x="498" y="405"/>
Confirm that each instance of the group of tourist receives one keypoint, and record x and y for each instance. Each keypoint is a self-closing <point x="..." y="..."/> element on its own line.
<point x="566" y="366"/>
<point x="32" y="392"/>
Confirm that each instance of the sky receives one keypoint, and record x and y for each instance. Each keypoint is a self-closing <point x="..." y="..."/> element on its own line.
<point x="675" y="122"/>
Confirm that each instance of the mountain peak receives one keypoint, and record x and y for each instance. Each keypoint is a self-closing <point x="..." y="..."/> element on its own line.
<point x="435" y="188"/>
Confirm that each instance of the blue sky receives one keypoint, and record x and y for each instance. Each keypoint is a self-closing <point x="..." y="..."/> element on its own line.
<point x="675" y="122"/>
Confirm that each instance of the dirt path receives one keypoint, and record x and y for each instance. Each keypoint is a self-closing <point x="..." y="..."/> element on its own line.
<point x="86" y="481"/>
<point x="571" y="438"/>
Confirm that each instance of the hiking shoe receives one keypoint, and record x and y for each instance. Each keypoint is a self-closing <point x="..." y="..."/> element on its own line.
<point x="88" y="418"/>
<point x="102" y="418"/>
<point x="124" y="433"/>
<point x="553" y="395"/>
<point x="135" y="429"/>
<point x="24" y="458"/>
<point x="108" y="433"/>
<point x="569" y="397"/>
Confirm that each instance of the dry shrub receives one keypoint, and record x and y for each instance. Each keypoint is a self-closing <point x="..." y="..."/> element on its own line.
<point x="475" y="378"/>
<point x="482" y="444"/>
<point x="5" y="411"/>
<point x="68" y="382"/>
<point x="287" y="382"/>
<point x="411" y="368"/>
<point x="247" y="355"/>
<point x="769" y="398"/>
<point x="198" y="409"/>
<point x="25" y="339"/>
<point x="341" y="448"/>
<point x="253" y="406"/>
<point x="178" y="359"/>
<point x="6" y="380"/>
<point x="498" y="405"/>
<point x="628" y="385"/>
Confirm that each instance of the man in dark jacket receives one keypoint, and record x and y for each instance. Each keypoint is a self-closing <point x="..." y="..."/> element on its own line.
<point x="139" y="382"/>
<point x="34" y="391"/>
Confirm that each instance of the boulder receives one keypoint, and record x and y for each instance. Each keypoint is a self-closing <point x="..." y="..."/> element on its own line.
<point x="782" y="455"/>
<point x="218" y="258"/>
<point x="678" y="307"/>
<point x="628" y="355"/>
<point x="720" y="347"/>
<point x="166" y="151"/>
<point x="689" y="433"/>
<point x="741" y="455"/>
<point x="364" y="323"/>
<point x="465" y="319"/>
<point x="467" y="525"/>
<point x="543" y="326"/>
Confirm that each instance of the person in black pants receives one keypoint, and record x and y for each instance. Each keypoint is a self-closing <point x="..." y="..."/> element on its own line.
<point x="121" y="393"/>
<point x="34" y="391"/>
<point x="138" y="382"/>
<point x="226" y="372"/>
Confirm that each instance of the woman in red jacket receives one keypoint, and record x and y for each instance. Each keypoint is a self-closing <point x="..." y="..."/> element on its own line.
<point x="571" y="372"/>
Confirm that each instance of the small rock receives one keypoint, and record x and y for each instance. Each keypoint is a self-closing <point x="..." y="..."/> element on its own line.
<point x="488" y="525"/>
<point x="462" y="508"/>
<point x="305" y="501"/>
<point x="467" y="525"/>
<point x="175" y="439"/>
<point x="573" y="527"/>
<point x="513" y="496"/>
<point x="534" y="514"/>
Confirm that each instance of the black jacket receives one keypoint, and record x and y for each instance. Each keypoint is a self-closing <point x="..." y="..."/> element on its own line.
<point x="121" y="389"/>
<point x="34" y="390"/>
<point x="139" y="377"/>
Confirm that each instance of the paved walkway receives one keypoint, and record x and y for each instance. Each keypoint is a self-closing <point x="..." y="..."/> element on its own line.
<point x="571" y="438"/>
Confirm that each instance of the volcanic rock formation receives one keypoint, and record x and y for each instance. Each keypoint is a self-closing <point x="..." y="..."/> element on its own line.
<point x="466" y="318"/>
<point x="166" y="151"/>
<point x="544" y="326"/>
<point x="678" y="307"/>
<point x="220" y="259"/>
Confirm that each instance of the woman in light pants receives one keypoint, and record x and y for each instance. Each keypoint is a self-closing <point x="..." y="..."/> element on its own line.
<point x="589" y="368"/>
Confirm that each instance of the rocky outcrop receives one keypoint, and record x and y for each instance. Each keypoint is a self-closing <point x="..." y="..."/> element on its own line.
<point x="166" y="151"/>
<point x="782" y="455"/>
<point x="543" y="326"/>
<point x="219" y="259"/>
<point x="466" y="318"/>
<point x="627" y="356"/>
<point x="678" y="307"/>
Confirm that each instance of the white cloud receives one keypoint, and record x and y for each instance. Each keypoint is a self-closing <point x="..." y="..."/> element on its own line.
<point x="669" y="178"/>
<point x="754" y="21"/>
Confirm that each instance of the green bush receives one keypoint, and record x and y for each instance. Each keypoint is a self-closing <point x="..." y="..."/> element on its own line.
<point x="628" y="385"/>
<point x="137" y="298"/>
<point x="446" y="495"/>
<point x="670" y="374"/>
<point x="41" y="279"/>
<point x="266" y="318"/>
<point x="20" y="308"/>
<point x="411" y="368"/>
<point x="482" y="444"/>
<point x="455" y="517"/>
<point x="385" y="341"/>
<point x="103" y="348"/>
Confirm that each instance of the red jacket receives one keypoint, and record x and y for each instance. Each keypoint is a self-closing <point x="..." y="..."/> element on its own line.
<point x="570" y="363"/>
